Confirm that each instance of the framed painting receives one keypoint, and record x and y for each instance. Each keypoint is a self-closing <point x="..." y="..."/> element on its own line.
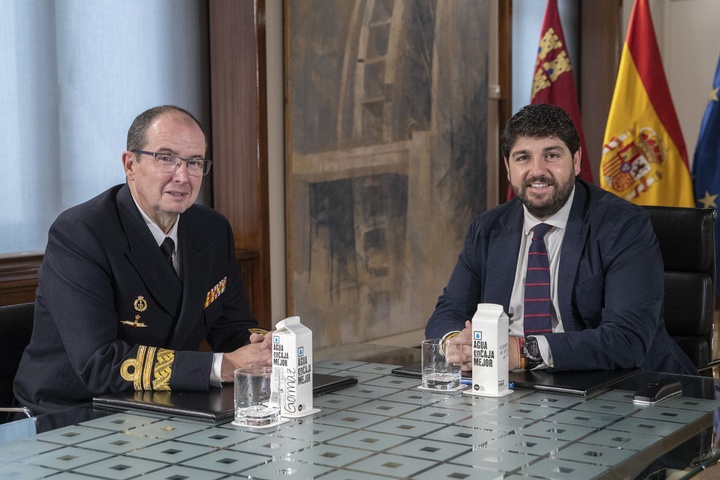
<point x="386" y="133"/>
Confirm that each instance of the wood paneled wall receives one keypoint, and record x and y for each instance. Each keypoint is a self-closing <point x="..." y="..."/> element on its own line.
<point x="600" y="49"/>
<point x="18" y="278"/>
<point x="505" y="81"/>
<point x="239" y="138"/>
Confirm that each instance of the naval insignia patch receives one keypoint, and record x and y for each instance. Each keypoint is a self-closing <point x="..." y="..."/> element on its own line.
<point x="140" y="304"/>
<point x="136" y="324"/>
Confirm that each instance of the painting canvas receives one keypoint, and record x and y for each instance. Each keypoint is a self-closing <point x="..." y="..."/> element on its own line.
<point x="386" y="132"/>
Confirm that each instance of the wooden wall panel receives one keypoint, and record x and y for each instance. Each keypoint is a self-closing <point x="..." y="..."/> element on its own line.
<point x="505" y="80"/>
<point x="18" y="278"/>
<point x="239" y="138"/>
<point x="600" y="49"/>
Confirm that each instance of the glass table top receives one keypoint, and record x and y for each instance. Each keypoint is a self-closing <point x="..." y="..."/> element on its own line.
<point x="383" y="427"/>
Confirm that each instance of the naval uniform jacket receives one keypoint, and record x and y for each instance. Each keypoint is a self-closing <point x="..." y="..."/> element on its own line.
<point x="111" y="314"/>
<point x="610" y="284"/>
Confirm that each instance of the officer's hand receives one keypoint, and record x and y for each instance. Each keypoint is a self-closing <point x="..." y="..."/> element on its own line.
<point x="464" y="340"/>
<point x="258" y="353"/>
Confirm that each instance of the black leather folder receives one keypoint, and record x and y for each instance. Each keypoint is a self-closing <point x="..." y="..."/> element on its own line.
<point x="578" y="382"/>
<point x="214" y="405"/>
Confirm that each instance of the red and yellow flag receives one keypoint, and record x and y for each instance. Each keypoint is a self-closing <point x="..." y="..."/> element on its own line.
<point x="644" y="158"/>
<point x="553" y="80"/>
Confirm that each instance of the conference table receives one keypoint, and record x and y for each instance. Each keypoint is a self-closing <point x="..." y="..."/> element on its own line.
<point x="382" y="427"/>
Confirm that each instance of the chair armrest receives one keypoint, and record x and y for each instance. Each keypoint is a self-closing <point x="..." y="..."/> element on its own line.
<point x="28" y="413"/>
<point x="711" y="364"/>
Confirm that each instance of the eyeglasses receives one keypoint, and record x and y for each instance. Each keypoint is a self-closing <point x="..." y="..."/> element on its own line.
<point x="169" y="163"/>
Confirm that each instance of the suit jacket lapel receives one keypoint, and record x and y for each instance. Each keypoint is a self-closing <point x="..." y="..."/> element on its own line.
<point x="146" y="257"/>
<point x="502" y="256"/>
<point x="197" y="258"/>
<point x="572" y="249"/>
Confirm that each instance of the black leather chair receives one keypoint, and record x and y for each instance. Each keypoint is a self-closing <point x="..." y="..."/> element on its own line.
<point x="687" y="242"/>
<point x="16" y="323"/>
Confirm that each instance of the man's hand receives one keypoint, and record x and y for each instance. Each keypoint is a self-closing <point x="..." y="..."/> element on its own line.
<point x="514" y="353"/>
<point x="464" y="340"/>
<point x="258" y="352"/>
<point x="266" y="339"/>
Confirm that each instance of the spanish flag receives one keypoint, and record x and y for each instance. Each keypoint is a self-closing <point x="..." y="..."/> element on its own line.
<point x="644" y="158"/>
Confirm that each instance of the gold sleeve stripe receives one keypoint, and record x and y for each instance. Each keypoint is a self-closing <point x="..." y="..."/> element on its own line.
<point x="131" y="369"/>
<point x="140" y="370"/>
<point x="147" y="368"/>
<point x="163" y="369"/>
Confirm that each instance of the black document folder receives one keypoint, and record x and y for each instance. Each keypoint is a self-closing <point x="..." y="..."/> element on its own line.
<point x="578" y="382"/>
<point x="214" y="405"/>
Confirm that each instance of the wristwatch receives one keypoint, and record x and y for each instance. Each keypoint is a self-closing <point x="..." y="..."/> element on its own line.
<point x="531" y="352"/>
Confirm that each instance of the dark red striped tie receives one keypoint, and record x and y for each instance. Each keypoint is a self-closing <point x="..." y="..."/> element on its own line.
<point x="537" y="285"/>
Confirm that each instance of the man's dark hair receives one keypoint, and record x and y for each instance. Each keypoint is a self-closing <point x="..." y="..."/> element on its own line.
<point x="136" y="134"/>
<point x="540" y="121"/>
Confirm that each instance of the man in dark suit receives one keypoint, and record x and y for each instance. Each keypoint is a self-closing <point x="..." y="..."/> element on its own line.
<point x="605" y="265"/>
<point x="114" y="311"/>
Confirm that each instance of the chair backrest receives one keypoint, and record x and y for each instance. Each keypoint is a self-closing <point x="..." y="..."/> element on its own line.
<point x="687" y="242"/>
<point x="16" y="323"/>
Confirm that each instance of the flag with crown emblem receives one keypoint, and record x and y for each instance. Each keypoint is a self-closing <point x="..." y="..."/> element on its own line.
<point x="553" y="81"/>
<point x="644" y="158"/>
<point x="706" y="161"/>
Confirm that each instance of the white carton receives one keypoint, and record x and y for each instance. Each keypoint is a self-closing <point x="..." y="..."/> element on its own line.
<point x="490" y="375"/>
<point x="292" y="363"/>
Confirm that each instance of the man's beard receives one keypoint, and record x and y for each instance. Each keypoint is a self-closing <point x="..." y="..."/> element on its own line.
<point x="554" y="204"/>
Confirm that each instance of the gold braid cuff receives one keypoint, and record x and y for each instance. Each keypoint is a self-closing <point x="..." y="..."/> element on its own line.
<point x="150" y="370"/>
<point x="163" y="369"/>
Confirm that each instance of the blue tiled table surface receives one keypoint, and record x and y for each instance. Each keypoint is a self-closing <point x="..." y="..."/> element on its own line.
<point x="383" y="427"/>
